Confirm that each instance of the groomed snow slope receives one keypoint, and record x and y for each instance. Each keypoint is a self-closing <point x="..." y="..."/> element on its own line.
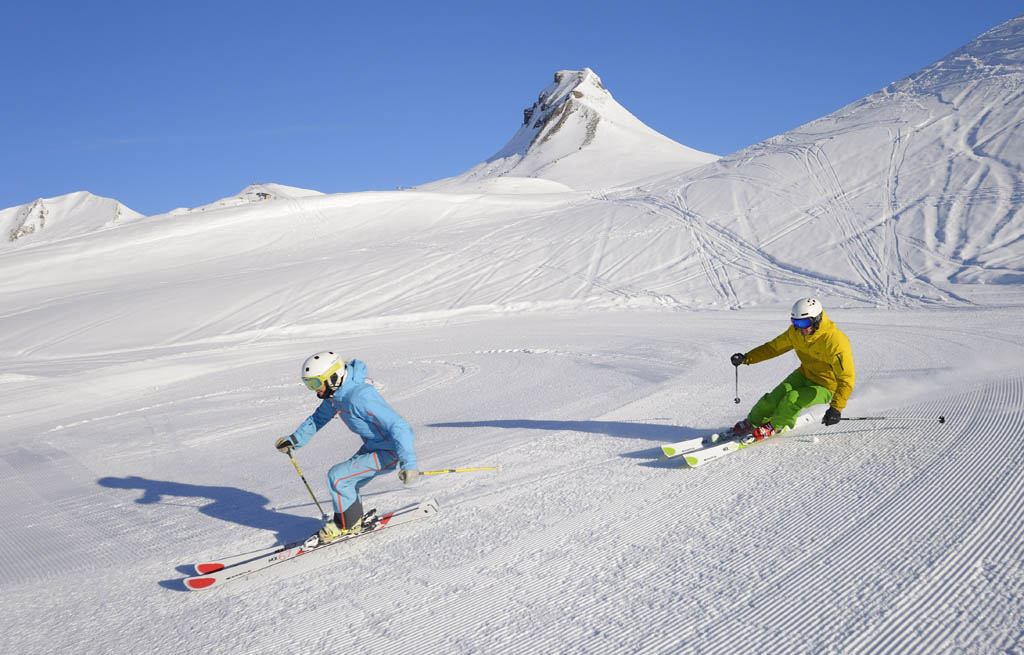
<point x="122" y="468"/>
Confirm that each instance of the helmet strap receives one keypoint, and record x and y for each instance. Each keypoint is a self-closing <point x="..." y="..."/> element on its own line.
<point x="333" y="384"/>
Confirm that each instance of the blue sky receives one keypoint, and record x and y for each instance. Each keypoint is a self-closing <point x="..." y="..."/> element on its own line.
<point x="164" y="105"/>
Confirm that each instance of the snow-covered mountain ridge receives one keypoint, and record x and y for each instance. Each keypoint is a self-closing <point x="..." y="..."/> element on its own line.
<point x="578" y="135"/>
<point x="913" y="194"/>
<point x="253" y="193"/>
<point x="70" y="215"/>
<point x="82" y="213"/>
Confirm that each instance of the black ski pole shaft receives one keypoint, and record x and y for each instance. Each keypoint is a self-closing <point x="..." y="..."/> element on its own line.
<point x="941" y="419"/>
<point x="737" y="398"/>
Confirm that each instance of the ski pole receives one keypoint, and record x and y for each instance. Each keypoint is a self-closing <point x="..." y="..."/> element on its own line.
<point x="322" y="514"/>
<point x="479" y="468"/>
<point x="941" y="419"/>
<point x="737" y="398"/>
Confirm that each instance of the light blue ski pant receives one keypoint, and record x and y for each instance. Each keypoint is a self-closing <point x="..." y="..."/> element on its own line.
<point x="348" y="478"/>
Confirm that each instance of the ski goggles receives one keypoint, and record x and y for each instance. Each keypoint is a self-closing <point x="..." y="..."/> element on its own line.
<point x="316" y="381"/>
<point x="802" y="323"/>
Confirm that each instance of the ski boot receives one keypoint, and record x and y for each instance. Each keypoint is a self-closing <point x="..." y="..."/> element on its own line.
<point x="742" y="429"/>
<point x="759" y="434"/>
<point x="342" y="525"/>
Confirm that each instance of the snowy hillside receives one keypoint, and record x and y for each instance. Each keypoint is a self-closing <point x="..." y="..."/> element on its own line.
<point x="50" y="219"/>
<point x="541" y="317"/>
<point x="912" y="195"/>
<point x="253" y="193"/>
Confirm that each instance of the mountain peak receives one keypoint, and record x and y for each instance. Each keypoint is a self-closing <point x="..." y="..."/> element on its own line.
<point x="255" y="192"/>
<point x="72" y="214"/>
<point x="560" y="100"/>
<point x="577" y="134"/>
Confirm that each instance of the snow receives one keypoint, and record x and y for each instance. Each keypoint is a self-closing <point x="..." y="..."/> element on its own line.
<point x="563" y="332"/>
<point x="69" y="215"/>
<point x="144" y="461"/>
<point x="254" y="193"/>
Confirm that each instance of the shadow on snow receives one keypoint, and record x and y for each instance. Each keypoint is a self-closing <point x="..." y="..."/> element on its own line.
<point x="225" y="503"/>
<point x="229" y="504"/>
<point x="658" y="432"/>
<point x="627" y="429"/>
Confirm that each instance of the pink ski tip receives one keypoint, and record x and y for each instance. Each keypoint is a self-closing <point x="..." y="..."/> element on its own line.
<point x="209" y="567"/>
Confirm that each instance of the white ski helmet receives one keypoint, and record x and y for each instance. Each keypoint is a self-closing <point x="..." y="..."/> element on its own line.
<point x="806" y="313"/>
<point x="323" y="368"/>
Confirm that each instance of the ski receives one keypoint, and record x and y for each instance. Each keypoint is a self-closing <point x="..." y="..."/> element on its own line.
<point x="216" y="572"/>
<point x="680" y="447"/>
<point x="698" y="457"/>
<point x="202" y="568"/>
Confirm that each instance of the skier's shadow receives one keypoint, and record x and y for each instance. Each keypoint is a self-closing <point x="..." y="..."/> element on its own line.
<point x="226" y="503"/>
<point x="659" y="432"/>
<point x="650" y="457"/>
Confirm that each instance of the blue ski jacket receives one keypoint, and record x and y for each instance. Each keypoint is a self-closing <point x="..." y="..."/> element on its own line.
<point x="364" y="412"/>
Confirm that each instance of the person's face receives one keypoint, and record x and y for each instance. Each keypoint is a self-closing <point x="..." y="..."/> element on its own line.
<point x="804" y="326"/>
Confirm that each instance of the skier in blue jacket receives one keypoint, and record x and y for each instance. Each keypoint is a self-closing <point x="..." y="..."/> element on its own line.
<point x="387" y="438"/>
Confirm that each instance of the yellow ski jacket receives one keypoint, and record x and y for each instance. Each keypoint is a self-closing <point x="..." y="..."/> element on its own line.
<point x="825" y="357"/>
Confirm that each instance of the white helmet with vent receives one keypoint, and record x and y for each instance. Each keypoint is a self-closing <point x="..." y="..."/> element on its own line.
<point x="806" y="313"/>
<point x="325" y="368"/>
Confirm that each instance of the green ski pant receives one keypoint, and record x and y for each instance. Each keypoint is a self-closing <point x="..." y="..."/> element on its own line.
<point x="782" y="404"/>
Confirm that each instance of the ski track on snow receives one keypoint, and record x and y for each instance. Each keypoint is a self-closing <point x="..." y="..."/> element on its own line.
<point x="586" y="541"/>
<point x="814" y="566"/>
<point x="784" y="607"/>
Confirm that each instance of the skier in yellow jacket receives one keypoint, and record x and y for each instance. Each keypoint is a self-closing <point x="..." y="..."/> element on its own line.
<point x="826" y="373"/>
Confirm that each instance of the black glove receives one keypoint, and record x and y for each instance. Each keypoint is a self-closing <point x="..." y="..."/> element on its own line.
<point x="831" y="417"/>
<point x="285" y="445"/>
<point x="738" y="358"/>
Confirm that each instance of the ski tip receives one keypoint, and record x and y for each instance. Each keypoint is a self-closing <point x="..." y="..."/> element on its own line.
<point x="208" y="567"/>
<point x="669" y="451"/>
<point x="692" y="461"/>
<point x="199" y="583"/>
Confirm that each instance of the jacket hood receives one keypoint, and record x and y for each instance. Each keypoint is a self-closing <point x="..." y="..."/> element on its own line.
<point x="355" y="374"/>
